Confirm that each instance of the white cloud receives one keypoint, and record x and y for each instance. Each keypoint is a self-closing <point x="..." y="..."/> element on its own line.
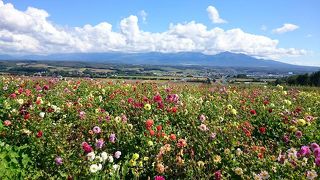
<point x="30" y="32"/>
<point x="143" y="14"/>
<point x="214" y="15"/>
<point x="285" y="28"/>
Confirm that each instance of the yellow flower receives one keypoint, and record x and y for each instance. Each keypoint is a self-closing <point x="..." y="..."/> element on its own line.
<point x="132" y="162"/>
<point x="301" y="122"/>
<point x="229" y="106"/>
<point x="234" y="111"/>
<point x="238" y="171"/>
<point x="147" y="107"/>
<point x="217" y="159"/>
<point x="293" y="128"/>
<point x="135" y="156"/>
<point x="150" y="143"/>
<point x="227" y="151"/>
<point x="200" y="164"/>
<point x="145" y="158"/>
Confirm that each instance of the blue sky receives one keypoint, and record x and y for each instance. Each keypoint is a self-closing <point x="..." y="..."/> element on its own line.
<point x="252" y="17"/>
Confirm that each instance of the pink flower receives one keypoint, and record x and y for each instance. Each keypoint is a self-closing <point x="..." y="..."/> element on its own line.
<point x="298" y="134"/>
<point x="7" y="123"/>
<point x="202" y="117"/>
<point x="96" y="129"/>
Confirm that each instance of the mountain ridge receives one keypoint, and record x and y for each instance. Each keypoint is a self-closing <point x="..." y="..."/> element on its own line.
<point x="223" y="59"/>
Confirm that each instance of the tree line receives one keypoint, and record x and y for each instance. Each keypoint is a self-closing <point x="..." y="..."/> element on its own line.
<point x="312" y="79"/>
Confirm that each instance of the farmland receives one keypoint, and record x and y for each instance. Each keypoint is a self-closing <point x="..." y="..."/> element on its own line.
<point x="107" y="129"/>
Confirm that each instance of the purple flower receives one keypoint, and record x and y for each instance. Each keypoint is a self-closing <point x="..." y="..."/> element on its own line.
<point x="112" y="138"/>
<point x="314" y="146"/>
<point x="159" y="178"/>
<point x="96" y="129"/>
<point x="117" y="154"/>
<point x="316" y="152"/>
<point x="317" y="161"/>
<point x="298" y="134"/>
<point x="304" y="151"/>
<point x="58" y="160"/>
<point x="99" y="143"/>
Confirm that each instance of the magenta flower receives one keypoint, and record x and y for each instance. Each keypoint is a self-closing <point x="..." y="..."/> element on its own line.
<point x="86" y="147"/>
<point x="314" y="146"/>
<point x="305" y="151"/>
<point x="159" y="178"/>
<point x="316" y="152"/>
<point x="317" y="161"/>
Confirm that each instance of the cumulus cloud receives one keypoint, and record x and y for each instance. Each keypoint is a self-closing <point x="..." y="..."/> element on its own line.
<point x="285" y="28"/>
<point x="30" y="32"/>
<point x="214" y="15"/>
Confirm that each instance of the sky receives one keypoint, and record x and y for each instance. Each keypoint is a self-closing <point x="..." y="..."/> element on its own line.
<point x="286" y="30"/>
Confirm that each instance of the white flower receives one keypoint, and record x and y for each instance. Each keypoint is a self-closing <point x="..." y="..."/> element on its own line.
<point x="312" y="175"/>
<point x="115" y="167"/>
<point x="20" y="101"/>
<point x="42" y="114"/>
<point x="91" y="156"/>
<point x="99" y="158"/>
<point x="110" y="158"/>
<point x="238" y="152"/>
<point x="94" y="168"/>
<point x="264" y="175"/>
<point x="104" y="156"/>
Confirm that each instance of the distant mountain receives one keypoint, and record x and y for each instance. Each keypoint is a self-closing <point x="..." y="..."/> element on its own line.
<point x="224" y="59"/>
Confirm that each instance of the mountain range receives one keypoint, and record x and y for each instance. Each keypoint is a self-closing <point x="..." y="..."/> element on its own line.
<point x="224" y="59"/>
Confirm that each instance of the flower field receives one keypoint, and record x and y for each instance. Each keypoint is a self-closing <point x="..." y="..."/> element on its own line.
<point x="100" y="129"/>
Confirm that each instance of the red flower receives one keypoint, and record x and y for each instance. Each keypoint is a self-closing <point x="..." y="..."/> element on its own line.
<point x="26" y="116"/>
<point x="159" y="128"/>
<point x="262" y="130"/>
<point x="157" y="98"/>
<point x="173" y="137"/>
<point x="174" y="109"/>
<point x="86" y="147"/>
<point x="151" y="132"/>
<point x="149" y="123"/>
<point x="270" y="110"/>
<point x="253" y="112"/>
<point x="39" y="134"/>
